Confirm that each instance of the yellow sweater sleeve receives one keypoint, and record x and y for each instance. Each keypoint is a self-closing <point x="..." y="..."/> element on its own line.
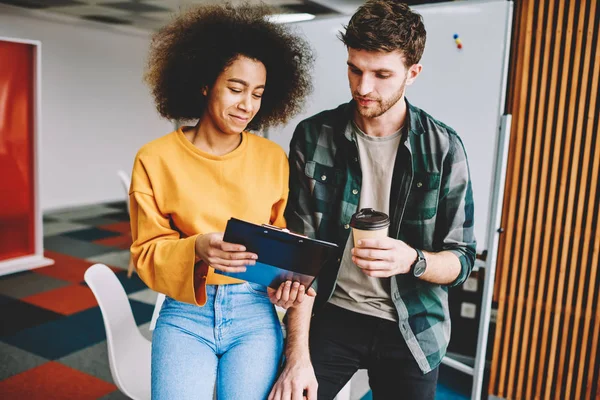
<point x="164" y="260"/>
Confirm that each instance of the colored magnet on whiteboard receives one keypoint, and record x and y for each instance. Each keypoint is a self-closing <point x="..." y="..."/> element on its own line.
<point x="458" y="41"/>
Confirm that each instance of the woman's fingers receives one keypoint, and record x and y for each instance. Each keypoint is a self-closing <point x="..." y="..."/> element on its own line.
<point x="226" y="268"/>
<point x="229" y="263"/>
<point x="226" y="246"/>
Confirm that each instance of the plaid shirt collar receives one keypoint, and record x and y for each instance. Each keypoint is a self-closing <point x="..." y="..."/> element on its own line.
<point x="415" y="126"/>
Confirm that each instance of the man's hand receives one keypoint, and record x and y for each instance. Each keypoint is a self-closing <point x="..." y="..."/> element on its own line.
<point x="290" y="294"/>
<point x="296" y="382"/>
<point x="383" y="257"/>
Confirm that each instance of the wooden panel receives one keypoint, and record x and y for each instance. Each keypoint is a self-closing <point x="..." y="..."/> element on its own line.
<point x="547" y="287"/>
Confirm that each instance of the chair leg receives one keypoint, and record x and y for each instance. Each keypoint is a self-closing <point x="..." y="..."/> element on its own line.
<point x="130" y="267"/>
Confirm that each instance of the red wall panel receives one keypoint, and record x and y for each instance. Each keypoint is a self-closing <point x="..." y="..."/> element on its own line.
<point x="17" y="135"/>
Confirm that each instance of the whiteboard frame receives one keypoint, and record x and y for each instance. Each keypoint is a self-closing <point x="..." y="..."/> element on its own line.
<point x="37" y="259"/>
<point x="495" y="220"/>
<point x="492" y="256"/>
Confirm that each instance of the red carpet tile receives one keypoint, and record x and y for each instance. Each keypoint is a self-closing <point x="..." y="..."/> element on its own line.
<point x="122" y="227"/>
<point x="54" y="381"/>
<point x="66" y="300"/>
<point x="121" y="242"/>
<point x="65" y="267"/>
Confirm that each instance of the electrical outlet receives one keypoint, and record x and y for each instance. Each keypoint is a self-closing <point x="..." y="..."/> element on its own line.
<point x="470" y="285"/>
<point x="468" y="310"/>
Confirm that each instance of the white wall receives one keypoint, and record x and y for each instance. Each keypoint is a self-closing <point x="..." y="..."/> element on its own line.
<point x="330" y="77"/>
<point x="96" y="111"/>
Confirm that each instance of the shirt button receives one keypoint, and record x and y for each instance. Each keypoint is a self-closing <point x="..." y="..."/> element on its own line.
<point x="419" y="184"/>
<point x="355" y="159"/>
<point x="323" y="177"/>
<point x="354" y="191"/>
<point x="346" y="226"/>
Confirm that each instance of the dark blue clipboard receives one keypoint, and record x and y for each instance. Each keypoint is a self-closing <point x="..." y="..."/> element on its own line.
<point x="282" y="255"/>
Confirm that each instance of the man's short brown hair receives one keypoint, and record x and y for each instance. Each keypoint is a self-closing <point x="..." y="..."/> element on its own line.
<point x="387" y="25"/>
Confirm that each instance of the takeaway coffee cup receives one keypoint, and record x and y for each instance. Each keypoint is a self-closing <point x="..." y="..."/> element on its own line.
<point x="368" y="223"/>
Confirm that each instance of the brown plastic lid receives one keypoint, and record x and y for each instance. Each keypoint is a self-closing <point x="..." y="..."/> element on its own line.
<point x="368" y="219"/>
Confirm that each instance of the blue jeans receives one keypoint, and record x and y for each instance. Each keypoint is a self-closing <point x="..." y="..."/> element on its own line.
<point x="234" y="342"/>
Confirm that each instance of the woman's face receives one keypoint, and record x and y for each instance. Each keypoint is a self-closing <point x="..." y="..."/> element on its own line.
<point x="235" y="97"/>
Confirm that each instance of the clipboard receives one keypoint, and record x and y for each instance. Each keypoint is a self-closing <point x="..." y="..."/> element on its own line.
<point x="282" y="255"/>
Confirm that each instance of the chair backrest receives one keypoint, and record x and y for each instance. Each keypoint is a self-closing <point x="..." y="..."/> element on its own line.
<point x="129" y="351"/>
<point x="126" y="183"/>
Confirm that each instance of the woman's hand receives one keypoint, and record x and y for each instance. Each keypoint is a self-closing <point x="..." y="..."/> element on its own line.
<point x="223" y="256"/>
<point x="290" y="294"/>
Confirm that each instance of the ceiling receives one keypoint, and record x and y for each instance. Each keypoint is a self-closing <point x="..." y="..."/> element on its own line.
<point x="152" y="14"/>
<point x="149" y="15"/>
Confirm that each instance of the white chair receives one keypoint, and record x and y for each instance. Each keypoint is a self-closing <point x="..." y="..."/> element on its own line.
<point x="126" y="183"/>
<point x="129" y="352"/>
<point x="344" y="394"/>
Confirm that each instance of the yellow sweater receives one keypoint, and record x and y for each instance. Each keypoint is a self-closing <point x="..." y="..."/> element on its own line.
<point x="179" y="192"/>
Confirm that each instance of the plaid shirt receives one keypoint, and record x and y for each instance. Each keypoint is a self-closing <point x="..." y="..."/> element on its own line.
<point x="431" y="208"/>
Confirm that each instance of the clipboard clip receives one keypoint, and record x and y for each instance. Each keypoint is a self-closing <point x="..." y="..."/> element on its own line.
<point x="284" y="230"/>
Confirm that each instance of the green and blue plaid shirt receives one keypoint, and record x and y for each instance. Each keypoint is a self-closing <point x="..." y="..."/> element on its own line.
<point x="431" y="208"/>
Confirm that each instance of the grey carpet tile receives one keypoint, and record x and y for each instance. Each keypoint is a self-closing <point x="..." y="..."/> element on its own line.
<point x="145" y="331"/>
<point x="24" y="285"/>
<point x="74" y="247"/>
<point x="122" y="205"/>
<point x="97" y="221"/>
<point x="119" y="259"/>
<point x="14" y="360"/>
<point x="120" y="215"/>
<point x="147" y="296"/>
<point x="82" y="212"/>
<point x="58" y="227"/>
<point x="91" y="234"/>
<point x="92" y="360"/>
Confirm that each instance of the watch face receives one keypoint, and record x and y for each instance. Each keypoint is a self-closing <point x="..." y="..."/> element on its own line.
<point x="419" y="268"/>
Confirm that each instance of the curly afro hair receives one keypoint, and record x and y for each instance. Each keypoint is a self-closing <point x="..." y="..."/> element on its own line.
<point x="188" y="55"/>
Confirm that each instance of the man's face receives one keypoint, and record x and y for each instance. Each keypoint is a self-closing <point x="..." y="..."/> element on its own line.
<point x="378" y="80"/>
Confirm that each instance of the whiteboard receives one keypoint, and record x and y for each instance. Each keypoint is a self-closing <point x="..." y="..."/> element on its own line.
<point x="464" y="88"/>
<point x="330" y="79"/>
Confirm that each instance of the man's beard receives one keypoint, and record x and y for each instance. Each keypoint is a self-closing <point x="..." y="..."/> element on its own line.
<point x="380" y="106"/>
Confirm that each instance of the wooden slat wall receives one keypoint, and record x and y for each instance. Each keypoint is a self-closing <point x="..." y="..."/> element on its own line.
<point x="548" y="285"/>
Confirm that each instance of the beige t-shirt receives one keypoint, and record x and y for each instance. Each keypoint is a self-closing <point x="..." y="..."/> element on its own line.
<point x="356" y="291"/>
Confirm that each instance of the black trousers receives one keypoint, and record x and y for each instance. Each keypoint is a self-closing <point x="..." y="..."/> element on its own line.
<point x="342" y="341"/>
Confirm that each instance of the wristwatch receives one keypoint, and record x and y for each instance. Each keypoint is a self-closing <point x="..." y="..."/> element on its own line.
<point x="420" y="265"/>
